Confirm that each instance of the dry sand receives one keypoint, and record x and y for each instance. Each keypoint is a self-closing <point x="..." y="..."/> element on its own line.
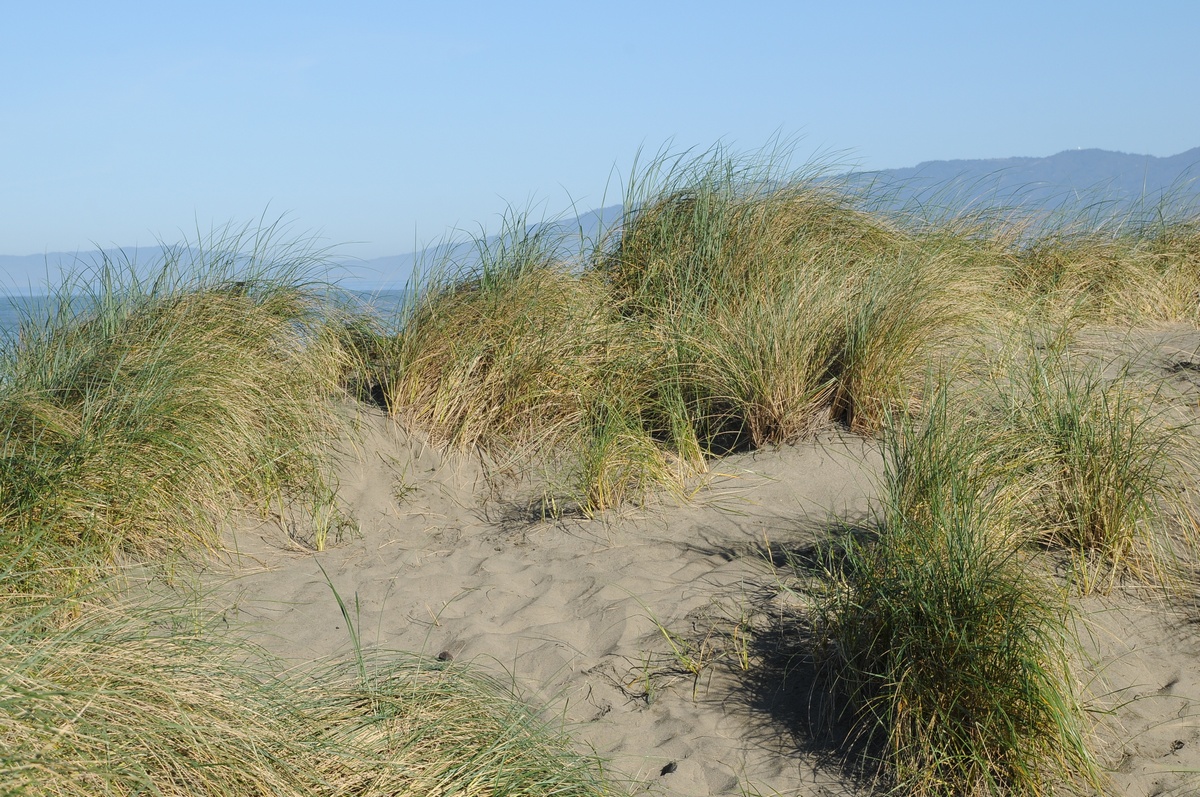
<point x="573" y="612"/>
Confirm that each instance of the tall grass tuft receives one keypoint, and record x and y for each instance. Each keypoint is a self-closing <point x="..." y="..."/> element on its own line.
<point x="123" y="704"/>
<point x="738" y="304"/>
<point x="1126" y="271"/>
<point x="938" y="642"/>
<point x="1173" y="247"/>
<point x="496" y="353"/>
<point x="778" y="305"/>
<point x="149" y="402"/>
<point x="1104" y="463"/>
<point x="512" y="350"/>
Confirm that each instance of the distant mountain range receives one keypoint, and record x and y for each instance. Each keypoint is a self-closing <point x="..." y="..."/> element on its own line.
<point x="1074" y="180"/>
<point x="1105" y="183"/>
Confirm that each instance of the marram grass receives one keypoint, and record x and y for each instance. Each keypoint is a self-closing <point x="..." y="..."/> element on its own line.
<point x="780" y="305"/>
<point x="1135" y="273"/>
<point x="1106" y="463"/>
<point x="143" y="409"/>
<point x="521" y="356"/>
<point x="737" y="304"/>
<point x="136" y="417"/>
<point x="120" y="703"/>
<point x="940" y="643"/>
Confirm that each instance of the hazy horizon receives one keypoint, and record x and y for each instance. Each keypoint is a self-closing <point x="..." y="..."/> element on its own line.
<point x="381" y="126"/>
<point x="1074" y="178"/>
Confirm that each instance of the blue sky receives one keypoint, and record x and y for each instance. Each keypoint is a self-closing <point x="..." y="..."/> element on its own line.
<point x="380" y="126"/>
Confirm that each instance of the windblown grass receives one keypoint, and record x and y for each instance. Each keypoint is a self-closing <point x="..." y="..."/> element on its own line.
<point x="939" y="642"/>
<point x="514" y="352"/>
<point x="122" y="704"/>
<point x="148" y="405"/>
<point x="780" y="306"/>
<point x="738" y="304"/>
<point x="498" y="353"/>
<point x="137" y="416"/>
<point x="1136" y="273"/>
<point x="733" y="307"/>
<point x="1105" y="462"/>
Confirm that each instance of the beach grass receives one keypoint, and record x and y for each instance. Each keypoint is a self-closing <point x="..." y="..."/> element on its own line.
<point x="1106" y="459"/>
<point x="940" y="644"/>
<point x="152" y="400"/>
<point x="124" y="702"/>
<point x="781" y="306"/>
<point x="1130" y="270"/>
<point x="508" y="349"/>
<point x="495" y="354"/>
<point x="736" y="305"/>
<point x="148" y="406"/>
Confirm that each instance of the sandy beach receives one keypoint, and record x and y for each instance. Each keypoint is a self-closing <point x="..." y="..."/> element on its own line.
<point x="652" y="633"/>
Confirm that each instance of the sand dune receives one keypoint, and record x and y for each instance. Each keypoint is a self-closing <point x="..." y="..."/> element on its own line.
<point x="649" y="632"/>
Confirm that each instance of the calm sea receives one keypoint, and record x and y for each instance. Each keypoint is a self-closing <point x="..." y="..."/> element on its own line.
<point x="384" y="304"/>
<point x="13" y="308"/>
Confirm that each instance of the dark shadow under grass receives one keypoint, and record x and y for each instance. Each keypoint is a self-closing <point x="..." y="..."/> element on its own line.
<point x="785" y="685"/>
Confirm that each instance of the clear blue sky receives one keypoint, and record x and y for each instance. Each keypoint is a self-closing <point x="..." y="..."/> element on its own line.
<point x="387" y="123"/>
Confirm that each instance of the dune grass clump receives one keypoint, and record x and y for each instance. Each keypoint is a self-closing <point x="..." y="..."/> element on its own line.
<point x="738" y="304"/>
<point x="1065" y="273"/>
<point x="511" y="349"/>
<point x="122" y="703"/>
<point x="135" y="417"/>
<point x="778" y="306"/>
<point x="1127" y="272"/>
<point x="732" y="308"/>
<point x="370" y="349"/>
<point x="1104" y="463"/>
<point x="943" y="649"/>
<point x="497" y="354"/>
<point x="617" y="459"/>
<point x="1174" y="250"/>
<point x="148" y="403"/>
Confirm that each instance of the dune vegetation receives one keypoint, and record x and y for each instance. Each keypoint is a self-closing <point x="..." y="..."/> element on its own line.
<point x="737" y="305"/>
<point x="144" y="408"/>
<point x="114" y="704"/>
<point x="940" y="642"/>
<point x="139" y="416"/>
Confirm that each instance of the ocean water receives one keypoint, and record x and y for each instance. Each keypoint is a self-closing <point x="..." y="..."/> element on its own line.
<point x="385" y="305"/>
<point x="14" y="308"/>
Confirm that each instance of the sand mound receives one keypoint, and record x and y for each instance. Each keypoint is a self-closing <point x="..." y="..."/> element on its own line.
<point x="646" y="631"/>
